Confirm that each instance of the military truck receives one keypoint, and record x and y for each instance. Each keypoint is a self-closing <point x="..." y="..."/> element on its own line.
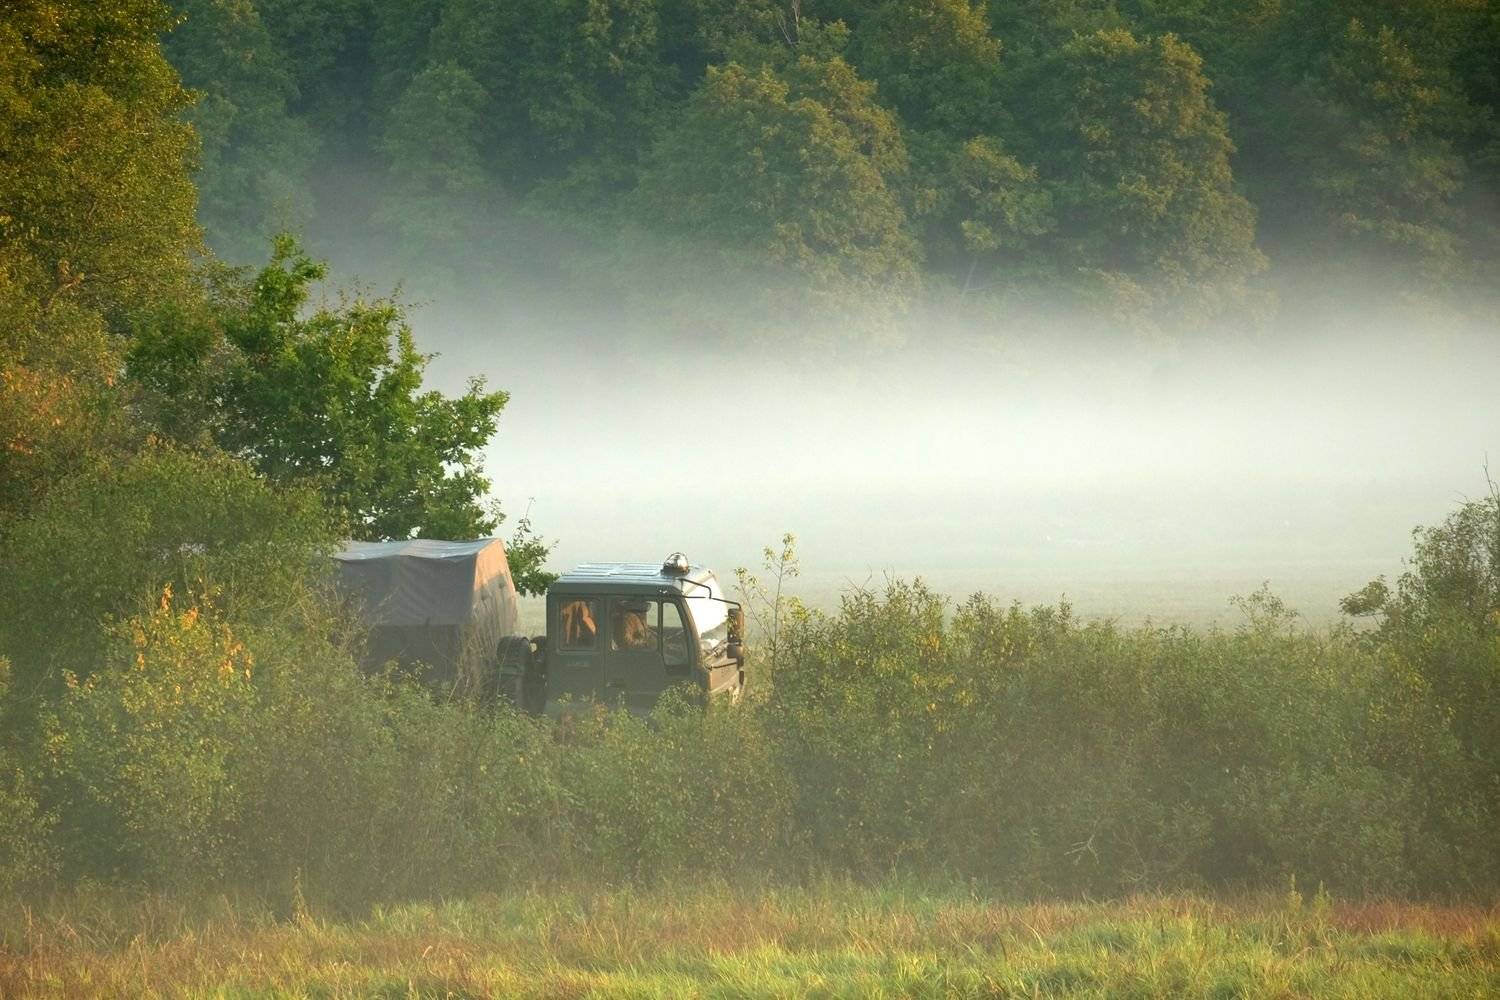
<point x="617" y="633"/>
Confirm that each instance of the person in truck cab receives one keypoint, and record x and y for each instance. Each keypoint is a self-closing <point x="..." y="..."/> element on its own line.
<point x="578" y="624"/>
<point x="629" y="628"/>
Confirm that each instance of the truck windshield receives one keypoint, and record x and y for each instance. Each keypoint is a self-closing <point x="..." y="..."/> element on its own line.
<point x="710" y="616"/>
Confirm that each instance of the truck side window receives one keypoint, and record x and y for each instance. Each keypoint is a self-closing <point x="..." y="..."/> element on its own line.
<point x="578" y="620"/>
<point x="674" y="638"/>
<point x="632" y="624"/>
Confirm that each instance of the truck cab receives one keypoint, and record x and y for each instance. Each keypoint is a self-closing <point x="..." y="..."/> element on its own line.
<point x="622" y="633"/>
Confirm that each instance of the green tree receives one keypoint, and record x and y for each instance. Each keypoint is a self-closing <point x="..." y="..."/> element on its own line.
<point x="329" y="398"/>
<point x="441" y="196"/>
<point x="1136" y="157"/>
<point x="986" y="217"/>
<point x="252" y="174"/>
<point x="327" y="46"/>
<point x="400" y="47"/>
<point x="1442" y="619"/>
<point x="936" y="64"/>
<point x="1353" y="120"/>
<point x="696" y="34"/>
<point x="1384" y="177"/>
<point x="567" y="80"/>
<point x="334" y="399"/>
<point x="96" y="203"/>
<point x="794" y="171"/>
<point x="96" y="221"/>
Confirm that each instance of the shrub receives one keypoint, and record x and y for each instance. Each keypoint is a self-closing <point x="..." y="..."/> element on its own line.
<point x="1347" y="826"/>
<point x="105" y="541"/>
<point x="145" y="748"/>
<point x="27" y="853"/>
<point x="679" y="793"/>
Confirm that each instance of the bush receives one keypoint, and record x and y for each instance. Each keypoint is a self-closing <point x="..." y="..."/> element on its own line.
<point x="105" y="541"/>
<point x="27" y="853"/>
<point x="145" y="749"/>
<point x="682" y="792"/>
<point x="1346" y="826"/>
<point x="1020" y="748"/>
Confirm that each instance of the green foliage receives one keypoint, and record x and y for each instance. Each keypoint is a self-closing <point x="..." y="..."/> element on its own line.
<point x="1366" y="140"/>
<point x="96" y="220"/>
<point x="334" y="399"/>
<point x="1350" y="825"/>
<point x="98" y="205"/>
<point x="254" y="153"/>
<point x="681" y="792"/>
<point x="1441" y="625"/>
<point x="330" y="399"/>
<point x="984" y="215"/>
<point x="1019" y="749"/>
<point x="364" y="788"/>
<point x="787" y="171"/>
<point x="568" y="80"/>
<point x="433" y="140"/>
<point x="1353" y="122"/>
<point x="1136" y="157"/>
<point x="105" y="541"/>
<point x="28" y="855"/>
<point x="144" y="748"/>
<point x="1392" y="177"/>
<point x="936" y="64"/>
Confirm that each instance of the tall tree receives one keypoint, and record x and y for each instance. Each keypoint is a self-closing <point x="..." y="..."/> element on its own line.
<point x="330" y="398"/>
<point x="936" y="64"/>
<point x="794" y="170"/>
<point x="440" y="196"/>
<point x="1136" y="157"/>
<point x="252" y="175"/>
<point x="96" y="221"/>
<point x="1352" y="122"/>
<point x="567" y="80"/>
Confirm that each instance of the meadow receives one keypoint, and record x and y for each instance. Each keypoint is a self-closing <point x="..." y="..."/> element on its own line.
<point x="829" y="939"/>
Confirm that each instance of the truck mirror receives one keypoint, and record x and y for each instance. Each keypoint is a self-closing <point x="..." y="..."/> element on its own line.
<point x="736" y="624"/>
<point x="736" y="651"/>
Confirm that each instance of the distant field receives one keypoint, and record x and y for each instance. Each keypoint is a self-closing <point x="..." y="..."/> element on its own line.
<point x="835" y="940"/>
<point x="1164" y="596"/>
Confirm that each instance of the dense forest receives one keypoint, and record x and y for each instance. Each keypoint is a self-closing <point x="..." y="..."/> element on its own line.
<point x="182" y="442"/>
<point x="1175" y="161"/>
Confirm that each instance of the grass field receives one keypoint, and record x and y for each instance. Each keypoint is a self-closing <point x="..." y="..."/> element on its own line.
<point x="834" y="940"/>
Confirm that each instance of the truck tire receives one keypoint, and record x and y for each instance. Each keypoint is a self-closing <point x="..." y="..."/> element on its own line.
<point x="514" y="662"/>
<point x="534" y="683"/>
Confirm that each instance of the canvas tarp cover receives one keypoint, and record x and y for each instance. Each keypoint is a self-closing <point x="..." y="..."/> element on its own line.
<point x="445" y="605"/>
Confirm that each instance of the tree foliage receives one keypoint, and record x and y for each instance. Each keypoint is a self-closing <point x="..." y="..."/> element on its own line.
<point x="1136" y="157"/>
<point x="330" y="398"/>
<point x="96" y="221"/>
<point x="798" y="169"/>
<point x="252" y="171"/>
<point x="1184" y="147"/>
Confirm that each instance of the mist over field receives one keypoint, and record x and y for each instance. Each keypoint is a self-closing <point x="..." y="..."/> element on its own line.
<point x="1031" y="463"/>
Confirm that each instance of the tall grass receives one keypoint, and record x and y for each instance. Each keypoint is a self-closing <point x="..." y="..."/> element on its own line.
<point x="828" y="938"/>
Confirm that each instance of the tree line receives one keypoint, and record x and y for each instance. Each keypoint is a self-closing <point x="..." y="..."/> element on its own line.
<point x="1167" y="157"/>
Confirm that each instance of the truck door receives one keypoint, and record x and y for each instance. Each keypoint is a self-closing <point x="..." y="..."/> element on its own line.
<point x="575" y="667"/>
<point x="647" y="651"/>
